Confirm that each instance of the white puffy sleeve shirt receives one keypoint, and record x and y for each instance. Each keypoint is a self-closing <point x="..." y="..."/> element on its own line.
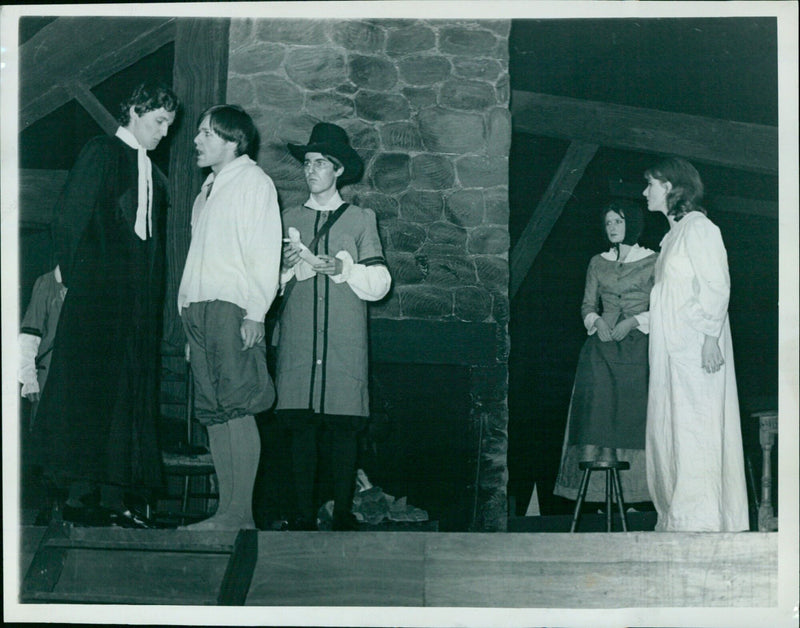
<point x="235" y="250"/>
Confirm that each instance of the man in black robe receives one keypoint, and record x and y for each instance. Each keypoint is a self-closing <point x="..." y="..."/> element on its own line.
<point x="98" y="414"/>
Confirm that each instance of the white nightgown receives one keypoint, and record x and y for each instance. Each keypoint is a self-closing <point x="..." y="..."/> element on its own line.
<point x="695" y="461"/>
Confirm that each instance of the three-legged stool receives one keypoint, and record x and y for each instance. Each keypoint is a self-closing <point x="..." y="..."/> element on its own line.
<point x="613" y="485"/>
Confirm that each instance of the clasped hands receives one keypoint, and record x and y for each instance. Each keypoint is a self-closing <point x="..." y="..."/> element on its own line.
<point x="621" y="329"/>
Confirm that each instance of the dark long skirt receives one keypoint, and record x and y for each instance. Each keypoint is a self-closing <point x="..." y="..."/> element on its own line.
<point x="609" y="403"/>
<point x="97" y="417"/>
<point x="610" y="393"/>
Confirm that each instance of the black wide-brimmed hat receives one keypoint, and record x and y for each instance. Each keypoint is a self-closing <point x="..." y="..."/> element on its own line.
<point x="330" y="139"/>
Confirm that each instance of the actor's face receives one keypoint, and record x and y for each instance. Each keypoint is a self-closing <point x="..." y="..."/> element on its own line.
<point x="615" y="227"/>
<point x="212" y="151"/>
<point x="320" y="172"/>
<point x="149" y="128"/>
<point x="656" y="194"/>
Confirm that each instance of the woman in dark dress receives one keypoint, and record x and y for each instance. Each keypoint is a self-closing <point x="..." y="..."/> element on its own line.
<point x="608" y="409"/>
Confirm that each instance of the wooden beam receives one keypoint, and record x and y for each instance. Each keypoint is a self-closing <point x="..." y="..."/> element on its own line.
<point x="751" y="147"/>
<point x="569" y="172"/>
<point x="200" y="78"/>
<point x="718" y="203"/>
<point x="81" y="92"/>
<point x="38" y="193"/>
<point x="84" y="49"/>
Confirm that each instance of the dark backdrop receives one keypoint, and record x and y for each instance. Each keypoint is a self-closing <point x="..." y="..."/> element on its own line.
<point x="719" y="68"/>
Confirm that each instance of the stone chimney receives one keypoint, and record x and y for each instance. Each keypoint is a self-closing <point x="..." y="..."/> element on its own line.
<point x="425" y="103"/>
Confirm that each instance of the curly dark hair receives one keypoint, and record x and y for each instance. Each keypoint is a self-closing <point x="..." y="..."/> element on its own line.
<point x="147" y="96"/>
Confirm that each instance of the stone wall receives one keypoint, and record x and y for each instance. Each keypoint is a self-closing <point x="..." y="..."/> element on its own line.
<point x="426" y="105"/>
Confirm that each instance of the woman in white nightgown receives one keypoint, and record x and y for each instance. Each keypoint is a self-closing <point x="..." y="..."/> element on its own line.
<point x="695" y="462"/>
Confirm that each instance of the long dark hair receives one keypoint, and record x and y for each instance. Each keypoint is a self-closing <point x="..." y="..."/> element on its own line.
<point x="687" y="186"/>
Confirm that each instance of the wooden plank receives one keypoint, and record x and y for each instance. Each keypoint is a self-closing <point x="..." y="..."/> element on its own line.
<point x="85" y="49"/>
<point x="47" y="564"/>
<point x="38" y="192"/>
<point x="91" y="597"/>
<point x="239" y="572"/>
<point x="185" y="578"/>
<point x="171" y="545"/>
<point x="199" y="77"/>
<point x="384" y="569"/>
<point x="339" y="569"/>
<point x="81" y="92"/>
<point x="549" y="208"/>
<point x="30" y="538"/>
<point x="416" y="341"/>
<point x="752" y="147"/>
<point x="717" y="203"/>
<point x="166" y="540"/>
<point x="617" y="570"/>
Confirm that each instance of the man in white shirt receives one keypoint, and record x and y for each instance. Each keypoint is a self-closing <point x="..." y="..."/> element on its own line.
<point x="229" y="282"/>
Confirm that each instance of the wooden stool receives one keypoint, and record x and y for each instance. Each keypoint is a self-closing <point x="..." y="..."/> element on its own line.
<point x="613" y="485"/>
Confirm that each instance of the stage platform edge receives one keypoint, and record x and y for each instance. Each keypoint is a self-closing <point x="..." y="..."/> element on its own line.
<point x="513" y="570"/>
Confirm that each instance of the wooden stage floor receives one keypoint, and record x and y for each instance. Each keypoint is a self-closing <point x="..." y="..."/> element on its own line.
<point x="423" y="569"/>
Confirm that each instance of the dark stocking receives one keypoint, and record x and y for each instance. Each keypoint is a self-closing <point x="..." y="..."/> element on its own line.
<point x="304" y="469"/>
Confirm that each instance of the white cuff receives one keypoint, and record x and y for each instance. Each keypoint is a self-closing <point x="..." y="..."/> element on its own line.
<point x="347" y="267"/>
<point x="369" y="283"/>
<point x="29" y="388"/>
<point x="644" y="322"/>
<point x="28" y="348"/>
<point x="589" y="321"/>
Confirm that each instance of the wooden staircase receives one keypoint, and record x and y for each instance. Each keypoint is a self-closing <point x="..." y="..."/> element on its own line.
<point x="125" y="566"/>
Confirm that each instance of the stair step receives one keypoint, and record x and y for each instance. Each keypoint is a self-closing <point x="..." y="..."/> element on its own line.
<point x="68" y="597"/>
<point x="127" y="546"/>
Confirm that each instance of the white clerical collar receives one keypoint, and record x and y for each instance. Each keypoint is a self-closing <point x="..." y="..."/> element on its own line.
<point x="144" y="210"/>
<point x="333" y="203"/>
<point x="129" y="138"/>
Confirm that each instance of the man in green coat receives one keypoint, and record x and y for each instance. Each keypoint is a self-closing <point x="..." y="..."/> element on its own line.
<point x="333" y="265"/>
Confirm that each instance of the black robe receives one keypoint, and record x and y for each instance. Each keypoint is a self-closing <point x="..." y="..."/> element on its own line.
<point x="98" y="413"/>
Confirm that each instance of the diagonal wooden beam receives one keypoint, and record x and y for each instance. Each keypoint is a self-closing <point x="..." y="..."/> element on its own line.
<point x="86" y="50"/>
<point x="569" y="172"/>
<point x="717" y="203"/>
<point x="81" y="92"/>
<point x="750" y="147"/>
